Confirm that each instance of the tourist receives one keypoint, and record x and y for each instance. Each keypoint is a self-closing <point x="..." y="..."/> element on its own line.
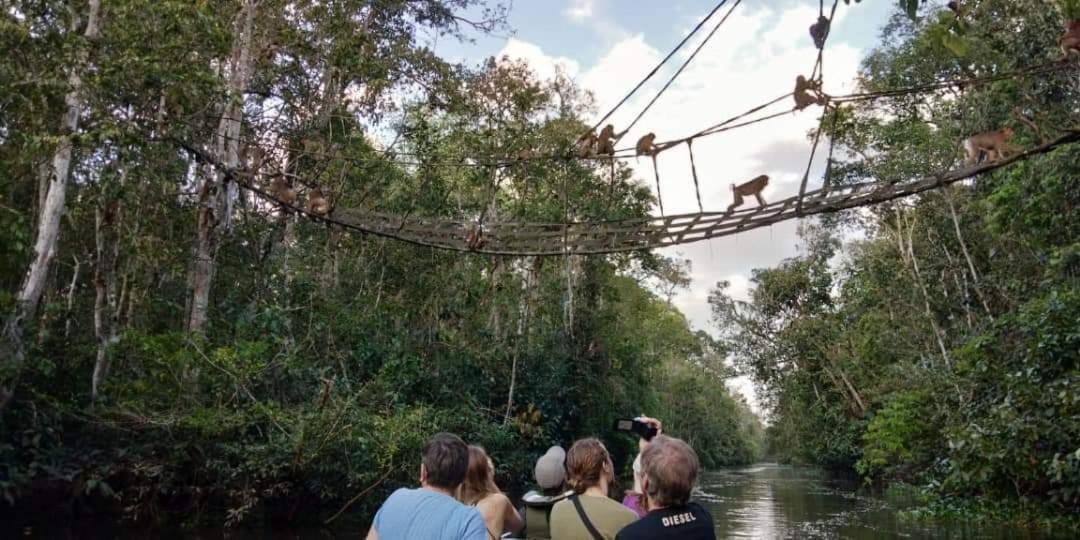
<point x="669" y="471"/>
<point x="479" y="490"/>
<point x="431" y="512"/>
<point x="550" y="475"/>
<point x="589" y="514"/>
<point x="635" y="499"/>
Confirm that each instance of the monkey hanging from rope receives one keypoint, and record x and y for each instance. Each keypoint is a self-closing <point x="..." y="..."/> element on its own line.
<point x="819" y="31"/>
<point x="753" y="187"/>
<point x="808" y="93"/>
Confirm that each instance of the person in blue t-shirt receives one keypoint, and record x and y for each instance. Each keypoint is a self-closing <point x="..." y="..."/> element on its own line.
<point x="431" y="512"/>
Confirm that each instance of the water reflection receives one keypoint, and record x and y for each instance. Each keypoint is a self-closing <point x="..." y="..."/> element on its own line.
<point x="780" y="502"/>
<point x="761" y="502"/>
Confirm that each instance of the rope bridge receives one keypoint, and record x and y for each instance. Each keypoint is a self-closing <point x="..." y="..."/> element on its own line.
<point x="512" y="238"/>
<point x="601" y="237"/>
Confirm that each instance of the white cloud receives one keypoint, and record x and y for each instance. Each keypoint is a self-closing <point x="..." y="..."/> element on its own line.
<point x="753" y="58"/>
<point x="580" y="10"/>
<point x="545" y="66"/>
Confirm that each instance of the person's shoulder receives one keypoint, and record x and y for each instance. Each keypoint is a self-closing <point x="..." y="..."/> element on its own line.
<point x="611" y="505"/>
<point x="472" y="524"/>
<point x="700" y="511"/>
<point x="399" y="494"/>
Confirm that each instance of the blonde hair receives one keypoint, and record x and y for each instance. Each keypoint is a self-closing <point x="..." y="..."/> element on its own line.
<point x="587" y="462"/>
<point x="479" y="478"/>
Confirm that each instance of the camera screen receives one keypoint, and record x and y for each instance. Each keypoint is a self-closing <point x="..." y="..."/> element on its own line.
<point x="624" y="425"/>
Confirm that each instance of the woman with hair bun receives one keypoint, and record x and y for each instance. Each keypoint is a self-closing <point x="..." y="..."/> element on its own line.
<point x="589" y="514"/>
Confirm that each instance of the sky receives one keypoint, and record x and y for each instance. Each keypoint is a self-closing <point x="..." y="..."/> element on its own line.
<point x="607" y="46"/>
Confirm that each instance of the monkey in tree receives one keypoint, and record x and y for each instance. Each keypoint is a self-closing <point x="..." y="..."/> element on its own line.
<point x="994" y="144"/>
<point x="753" y="187"/>
<point x="317" y="203"/>
<point x="251" y="160"/>
<point x="807" y="93"/>
<point x="1071" y="40"/>
<point x="282" y="191"/>
<point x="956" y="7"/>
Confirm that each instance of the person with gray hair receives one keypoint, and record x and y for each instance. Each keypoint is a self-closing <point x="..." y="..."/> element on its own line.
<point x="669" y="473"/>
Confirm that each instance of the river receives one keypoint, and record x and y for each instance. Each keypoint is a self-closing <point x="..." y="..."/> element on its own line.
<point x="781" y="502"/>
<point x="764" y="501"/>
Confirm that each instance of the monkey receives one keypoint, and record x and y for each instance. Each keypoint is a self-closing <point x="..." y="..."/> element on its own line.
<point x="282" y="191"/>
<point x="807" y="93"/>
<point x="753" y="187"/>
<point x="251" y="159"/>
<point x="474" y="239"/>
<point x="585" y="146"/>
<point x="956" y="7"/>
<point x="317" y="203"/>
<point x="1070" y="41"/>
<point x="646" y="145"/>
<point x="993" y="143"/>
<point x="819" y="31"/>
<point x="605" y="142"/>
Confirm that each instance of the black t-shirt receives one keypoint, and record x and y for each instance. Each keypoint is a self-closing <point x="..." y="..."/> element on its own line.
<point x="690" y="522"/>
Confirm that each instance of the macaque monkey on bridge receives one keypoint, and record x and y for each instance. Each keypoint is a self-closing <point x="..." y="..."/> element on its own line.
<point x="605" y="142"/>
<point x="1071" y="40"/>
<point x="807" y="93"/>
<point x="474" y="239"/>
<point x="585" y="146"/>
<point x="753" y="187"/>
<point x="994" y="144"/>
<point x="646" y="145"/>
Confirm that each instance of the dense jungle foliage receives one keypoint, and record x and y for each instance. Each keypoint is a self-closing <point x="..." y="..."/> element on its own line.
<point x="195" y="354"/>
<point x="935" y="340"/>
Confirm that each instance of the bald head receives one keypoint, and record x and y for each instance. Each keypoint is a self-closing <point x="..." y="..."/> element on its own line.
<point x="670" y="468"/>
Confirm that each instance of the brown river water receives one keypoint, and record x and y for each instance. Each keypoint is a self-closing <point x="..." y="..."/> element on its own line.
<point x="763" y="501"/>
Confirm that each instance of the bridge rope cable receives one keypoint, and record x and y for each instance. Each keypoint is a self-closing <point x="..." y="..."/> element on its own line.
<point x="656" y="69"/>
<point x="629" y="152"/>
<point x="682" y="67"/>
<point x="617" y="236"/>
<point x="1047" y="67"/>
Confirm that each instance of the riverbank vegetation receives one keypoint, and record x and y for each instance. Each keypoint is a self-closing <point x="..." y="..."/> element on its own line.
<point x="176" y="349"/>
<point x="935" y="340"/>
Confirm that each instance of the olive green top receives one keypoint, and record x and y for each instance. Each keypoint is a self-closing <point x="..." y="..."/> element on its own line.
<point x="607" y="515"/>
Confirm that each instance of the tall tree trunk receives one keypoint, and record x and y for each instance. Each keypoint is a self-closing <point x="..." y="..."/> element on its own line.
<point x="907" y="254"/>
<point x="967" y="255"/>
<point x="521" y="340"/>
<point x="107" y="223"/>
<point x="12" y="348"/>
<point x="217" y="193"/>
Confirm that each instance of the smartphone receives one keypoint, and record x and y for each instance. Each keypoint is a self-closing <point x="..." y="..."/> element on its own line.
<point x="641" y="429"/>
